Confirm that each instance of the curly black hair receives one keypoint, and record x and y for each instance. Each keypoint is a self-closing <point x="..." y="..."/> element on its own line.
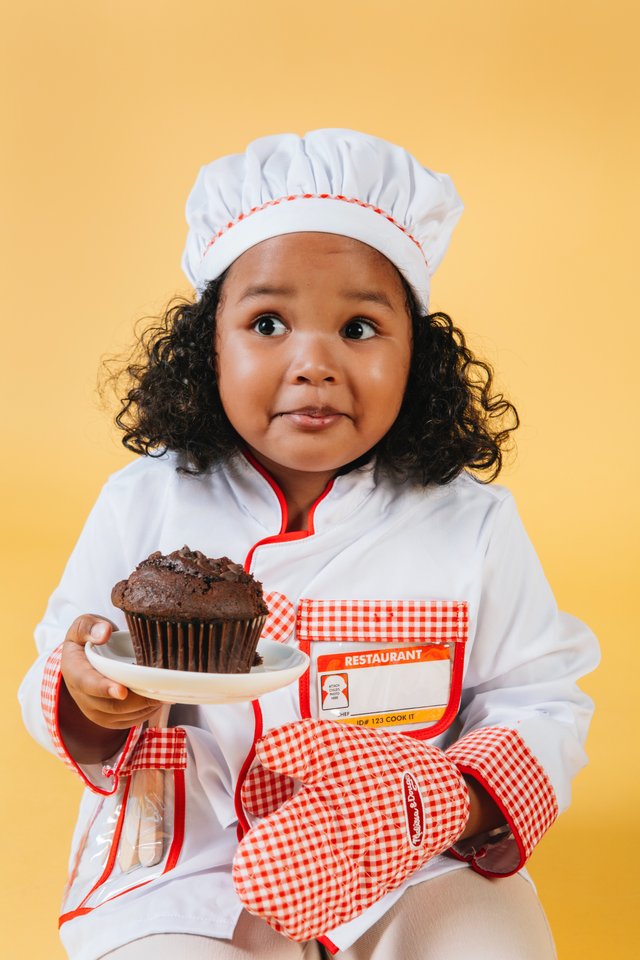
<point x="449" y="419"/>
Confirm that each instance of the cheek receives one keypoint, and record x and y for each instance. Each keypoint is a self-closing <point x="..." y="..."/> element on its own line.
<point x="234" y="383"/>
<point x="389" y="380"/>
<point x="236" y="369"/>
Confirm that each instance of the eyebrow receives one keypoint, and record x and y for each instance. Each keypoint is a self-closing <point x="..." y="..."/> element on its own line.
<point x="372" y="296"/>
<point x="262" y="290"/>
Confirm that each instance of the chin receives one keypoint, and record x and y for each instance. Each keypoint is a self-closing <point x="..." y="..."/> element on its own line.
<point x="310" y="458"/>
<point x="308" y="465"/>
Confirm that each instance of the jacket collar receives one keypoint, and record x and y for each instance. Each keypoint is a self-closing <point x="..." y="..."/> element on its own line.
<point x="258" y="494"/>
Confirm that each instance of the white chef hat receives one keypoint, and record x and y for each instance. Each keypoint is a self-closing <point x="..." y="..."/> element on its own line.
<point x="331" y="181"/>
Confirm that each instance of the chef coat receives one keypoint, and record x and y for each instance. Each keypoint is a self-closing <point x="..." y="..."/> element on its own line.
<point x="371" y="545"/>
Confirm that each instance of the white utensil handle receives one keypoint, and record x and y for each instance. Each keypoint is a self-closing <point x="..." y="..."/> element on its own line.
<point x="151" y="833"/>
<point x="128" y="846"/>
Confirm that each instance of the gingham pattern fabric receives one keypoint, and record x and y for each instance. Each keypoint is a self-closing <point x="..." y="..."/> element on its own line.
<point x="499" y="759"/>
<point x="433" y="621"/>
<point x="49" y="695"/>
<point x="344" y="840"/>
<point x="281" y="619"/>
<point x="159" y="748"/>
<point x="264" y="791"/>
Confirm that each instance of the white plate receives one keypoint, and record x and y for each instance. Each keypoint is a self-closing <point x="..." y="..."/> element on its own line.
<point x="281" y="666"/>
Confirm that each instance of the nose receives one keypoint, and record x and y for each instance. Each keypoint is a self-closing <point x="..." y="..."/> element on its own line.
<point x="314" y="361"/>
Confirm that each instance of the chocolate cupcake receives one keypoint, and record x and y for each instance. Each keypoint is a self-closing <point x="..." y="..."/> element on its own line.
<point x="186" y="611"/>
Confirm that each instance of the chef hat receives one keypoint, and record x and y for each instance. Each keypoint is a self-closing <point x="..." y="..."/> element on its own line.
<point x="331" y="181"/>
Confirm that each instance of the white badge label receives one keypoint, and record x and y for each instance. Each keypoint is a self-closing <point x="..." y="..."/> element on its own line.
<point x="387" y="686"/>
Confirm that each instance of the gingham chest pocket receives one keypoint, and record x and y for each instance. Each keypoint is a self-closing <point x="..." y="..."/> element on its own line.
<point x="383" y="664"/>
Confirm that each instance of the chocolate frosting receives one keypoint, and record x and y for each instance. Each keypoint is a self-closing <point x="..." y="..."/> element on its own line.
<point x="187" y="585"/>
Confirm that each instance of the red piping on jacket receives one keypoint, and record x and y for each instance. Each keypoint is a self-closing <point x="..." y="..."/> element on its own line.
<point x="328" y="945"/>
<point x="281" y="537"/>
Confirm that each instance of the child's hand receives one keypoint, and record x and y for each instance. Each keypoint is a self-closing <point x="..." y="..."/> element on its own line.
<point x="102" y="701"/>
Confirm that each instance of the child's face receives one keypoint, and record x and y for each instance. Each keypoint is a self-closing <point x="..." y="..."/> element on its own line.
<point x="313" y="350"/>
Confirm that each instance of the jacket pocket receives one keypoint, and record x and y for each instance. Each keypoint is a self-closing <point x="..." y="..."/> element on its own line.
<point x="386" y="664"/>
<point x="134" y="835"/>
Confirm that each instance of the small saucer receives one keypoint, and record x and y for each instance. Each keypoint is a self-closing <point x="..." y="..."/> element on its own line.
<point x="281" y="665"/>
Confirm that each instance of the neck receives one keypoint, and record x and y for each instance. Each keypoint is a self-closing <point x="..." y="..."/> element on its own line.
<point x="300" y="488"/>
<point x="299" y="504"/>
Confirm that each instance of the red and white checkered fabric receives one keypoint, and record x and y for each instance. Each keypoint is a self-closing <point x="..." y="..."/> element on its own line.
<point x="281" y="619"/>
<point x="373" y="808"/>
<point x="264" y="791"/>
<point x="49" y="693"/>
<point x="49" y="697"/>
<point x="159" y="748"/>
<point x="433" y="621"/>
<point x="499" y="759"/>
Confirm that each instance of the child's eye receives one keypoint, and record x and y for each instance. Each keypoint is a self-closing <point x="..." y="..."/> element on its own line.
<point x="269" y="326"/>
<point x="359" y="330"/>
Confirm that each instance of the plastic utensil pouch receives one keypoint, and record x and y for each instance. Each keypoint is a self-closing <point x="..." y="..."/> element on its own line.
<point x="134" y="835"/>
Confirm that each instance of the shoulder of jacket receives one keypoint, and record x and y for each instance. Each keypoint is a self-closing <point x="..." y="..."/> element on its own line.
<point x="466" y="487"/>
<point x="157" y="475"/>
<point x="143" y="469"/>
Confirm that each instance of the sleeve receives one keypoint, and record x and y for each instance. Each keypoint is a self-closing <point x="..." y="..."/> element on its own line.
<point x="96" y="563"/>
<point x="524" y="719"/>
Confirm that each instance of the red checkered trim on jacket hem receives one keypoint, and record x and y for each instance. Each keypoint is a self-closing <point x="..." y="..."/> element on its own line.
<point x="411" y="621"/>
<point x="314" y="196"/>
<point x="281" y="619"/>
<point x="499" y="759"/>
<point x="159" y="748"/>
<point x="49" y="698"/>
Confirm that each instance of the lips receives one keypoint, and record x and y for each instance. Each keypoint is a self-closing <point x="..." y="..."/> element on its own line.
<point x="313" y="418"/>
<point x="313" y="412"/>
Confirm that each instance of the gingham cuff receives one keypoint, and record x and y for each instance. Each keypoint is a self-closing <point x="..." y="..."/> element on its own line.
<point x="50" y="696"/>
<point x="159" y="748"/>
<point x="499" y="759"/>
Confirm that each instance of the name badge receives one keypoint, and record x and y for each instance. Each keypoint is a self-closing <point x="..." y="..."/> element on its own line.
<point x="385" y="687"/>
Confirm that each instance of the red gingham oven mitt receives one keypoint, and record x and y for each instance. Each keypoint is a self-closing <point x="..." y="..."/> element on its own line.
<point x="373" y="808"/>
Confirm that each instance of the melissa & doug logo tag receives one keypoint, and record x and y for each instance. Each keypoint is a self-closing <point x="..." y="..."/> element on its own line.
<point x="414" y="809"/>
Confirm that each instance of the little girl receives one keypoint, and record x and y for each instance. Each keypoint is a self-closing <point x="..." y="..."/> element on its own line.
<point x="308" y="416"/>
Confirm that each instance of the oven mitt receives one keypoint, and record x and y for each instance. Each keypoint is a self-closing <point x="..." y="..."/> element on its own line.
<point x="372" y="808"/>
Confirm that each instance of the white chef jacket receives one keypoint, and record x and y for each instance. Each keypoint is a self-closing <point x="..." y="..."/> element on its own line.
<point x="368" y="540"/>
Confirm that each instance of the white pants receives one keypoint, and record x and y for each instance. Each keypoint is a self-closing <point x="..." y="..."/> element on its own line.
<point x="459" y="916"/>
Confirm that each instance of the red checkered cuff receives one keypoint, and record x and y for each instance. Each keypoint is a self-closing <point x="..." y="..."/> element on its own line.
<point x="499" y="759"/>
<point x="49" y="697"/>
<point x="159" y="748"/>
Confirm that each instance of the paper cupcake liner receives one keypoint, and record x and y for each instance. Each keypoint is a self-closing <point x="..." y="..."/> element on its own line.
<point x="212" y="646"/>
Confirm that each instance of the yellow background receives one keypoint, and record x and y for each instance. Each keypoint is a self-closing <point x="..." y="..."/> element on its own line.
<point x="109" y="109"/>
